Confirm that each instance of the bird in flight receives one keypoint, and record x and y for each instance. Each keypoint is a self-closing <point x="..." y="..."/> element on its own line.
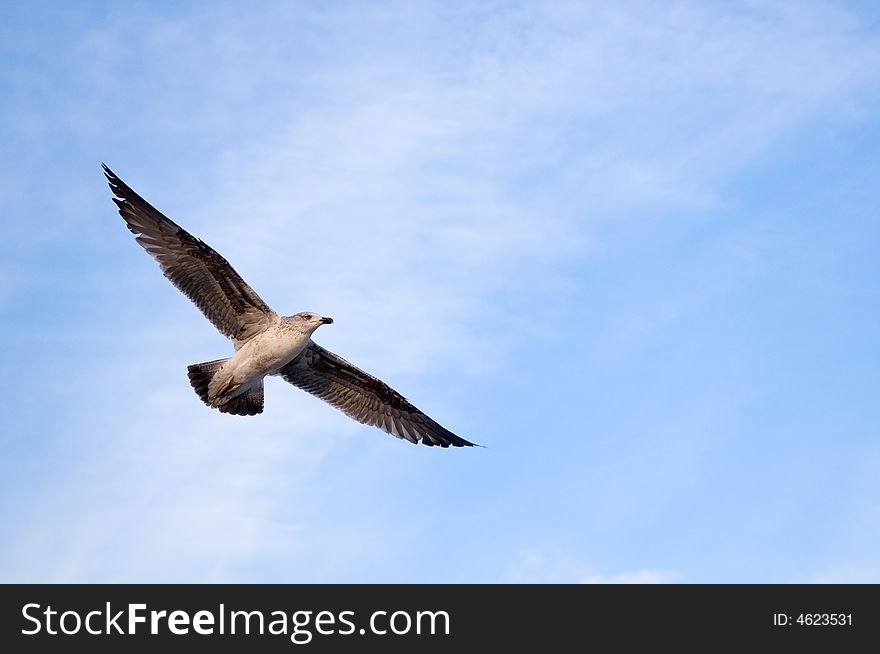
<point x="266" y="343"/>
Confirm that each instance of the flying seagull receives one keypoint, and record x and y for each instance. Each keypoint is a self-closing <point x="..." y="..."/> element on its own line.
<point x="265" y="343"/>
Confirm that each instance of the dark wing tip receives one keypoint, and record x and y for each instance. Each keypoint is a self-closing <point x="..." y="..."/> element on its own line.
<point x="109" y="174"/>
<point x="130" y="204"/>
<point x="457" y="441"/>
<point x="437" y="435"/>
<point x="120" y="189"/>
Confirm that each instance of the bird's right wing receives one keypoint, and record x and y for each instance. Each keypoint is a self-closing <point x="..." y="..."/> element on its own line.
<point x="365" y="398"/>
<point x="193" y="266"/>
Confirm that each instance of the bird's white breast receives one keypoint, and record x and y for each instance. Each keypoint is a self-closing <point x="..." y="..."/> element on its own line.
<point x="267" y="352"/>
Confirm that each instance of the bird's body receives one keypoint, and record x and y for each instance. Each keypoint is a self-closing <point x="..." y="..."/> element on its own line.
<point x="265" y="353"/>
<point x="266" y="343"/>
<point x="272" y="349"/>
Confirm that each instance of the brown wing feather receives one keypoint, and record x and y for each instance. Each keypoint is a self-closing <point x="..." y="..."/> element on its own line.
<point x="365" y="398"/>
<point x="194" y="267"/>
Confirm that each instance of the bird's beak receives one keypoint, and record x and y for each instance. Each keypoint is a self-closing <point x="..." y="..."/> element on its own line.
<point x="326" y="321"/>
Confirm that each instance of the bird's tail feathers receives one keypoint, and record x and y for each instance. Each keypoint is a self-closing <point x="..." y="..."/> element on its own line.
<point x="248" y="403"/>
<point x="200" y="376"/>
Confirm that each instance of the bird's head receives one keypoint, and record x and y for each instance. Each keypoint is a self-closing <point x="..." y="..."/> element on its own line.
<point x="309" y="321"/>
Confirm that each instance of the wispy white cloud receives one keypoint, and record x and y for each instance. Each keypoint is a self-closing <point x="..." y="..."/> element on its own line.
<point x="859" y="571"/>
<point x="550" y="565"/>
<point x="634" y="577"/>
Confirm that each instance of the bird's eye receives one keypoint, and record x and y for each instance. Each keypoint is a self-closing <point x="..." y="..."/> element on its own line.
<point x="308" y="316"/>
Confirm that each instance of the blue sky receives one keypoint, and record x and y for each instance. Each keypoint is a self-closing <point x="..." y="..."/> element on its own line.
<point x="629" y="247"/>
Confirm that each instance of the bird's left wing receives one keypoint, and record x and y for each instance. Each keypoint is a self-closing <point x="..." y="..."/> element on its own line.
<point x="193" y="266"/>
<point x="365" y="398"/>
